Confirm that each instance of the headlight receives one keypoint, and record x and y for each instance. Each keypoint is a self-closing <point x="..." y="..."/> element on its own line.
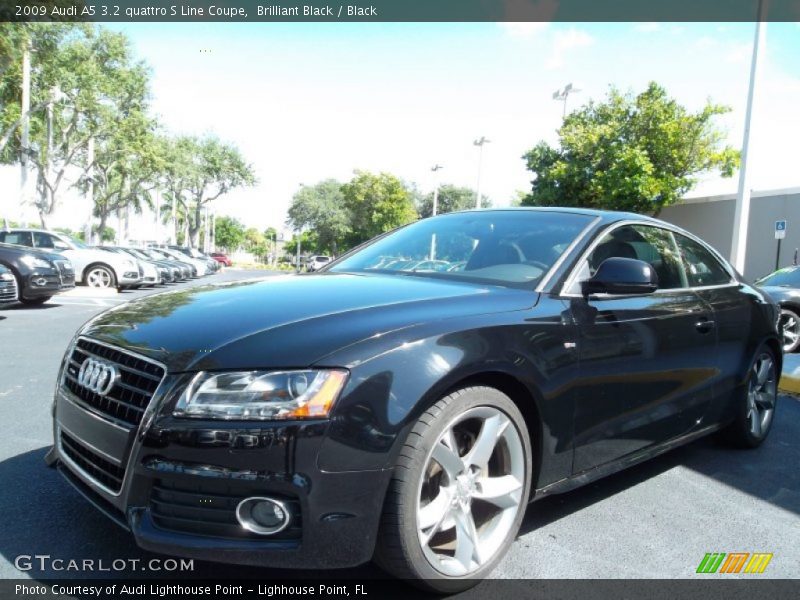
<point x="129" y="264"/>
<point x="35" y="262"/>
<point x="259" y="395"/>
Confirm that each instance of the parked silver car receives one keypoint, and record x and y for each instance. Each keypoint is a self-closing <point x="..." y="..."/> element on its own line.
<point x="93" y="267"/>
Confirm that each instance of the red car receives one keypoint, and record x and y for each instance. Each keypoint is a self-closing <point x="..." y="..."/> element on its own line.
<point x="221" y="258"/>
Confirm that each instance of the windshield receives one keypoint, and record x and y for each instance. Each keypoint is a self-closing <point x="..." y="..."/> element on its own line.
<point x="75" y="242"/>
<point x="788" y="277"/>
<point x="509" y="247"/>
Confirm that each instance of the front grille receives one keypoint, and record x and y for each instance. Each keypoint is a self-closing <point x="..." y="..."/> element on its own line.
<point x="65" y="272"/>
<point x="8" y="290"/>
<point x="126" y="402"/>
<point x="209" y="508"/>
<point x="95" y="466"/>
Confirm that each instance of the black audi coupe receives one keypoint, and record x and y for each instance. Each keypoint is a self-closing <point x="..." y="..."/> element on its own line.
<point x="407" y="401"/>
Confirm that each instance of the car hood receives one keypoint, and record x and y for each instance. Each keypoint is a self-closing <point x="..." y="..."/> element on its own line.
<point x="288" y="321"/>
<point x="781" y="294"/>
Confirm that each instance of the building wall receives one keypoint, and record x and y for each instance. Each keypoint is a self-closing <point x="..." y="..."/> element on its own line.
<point x="712" y="220"/>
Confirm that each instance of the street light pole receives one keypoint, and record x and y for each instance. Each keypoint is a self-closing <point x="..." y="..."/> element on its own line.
<point x="435" y="168"/>
<point x="562" y="94"/>
<point x="25" y="109"/>
<point x="480" y="143"/>
<point x="741" y="219"/>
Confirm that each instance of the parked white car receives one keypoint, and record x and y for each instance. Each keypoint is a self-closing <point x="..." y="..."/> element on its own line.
<point x="201" y="267"/>
<point x="93" y="267"/>
<point x="315" y="263"/>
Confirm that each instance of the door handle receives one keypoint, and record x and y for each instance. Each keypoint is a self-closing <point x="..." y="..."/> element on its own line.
<point x="704" y="325"/>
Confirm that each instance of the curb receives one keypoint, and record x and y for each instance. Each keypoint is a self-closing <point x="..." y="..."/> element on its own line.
<point x="790" y="380"/>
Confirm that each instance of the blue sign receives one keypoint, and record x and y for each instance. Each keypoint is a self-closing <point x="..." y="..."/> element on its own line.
<point x="780" y="230"/>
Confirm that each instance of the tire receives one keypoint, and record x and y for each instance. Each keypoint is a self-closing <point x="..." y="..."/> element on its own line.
<point x="755" y="409"/>
<point x="35" y="301"/>
<point x="449" y="503"/>
<point x="99" y="276"/>
<point x="790" y="322"/>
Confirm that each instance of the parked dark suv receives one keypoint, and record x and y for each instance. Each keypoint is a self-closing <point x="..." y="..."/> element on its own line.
<point x="39" y="275"/>
<point x="395" y="407"/>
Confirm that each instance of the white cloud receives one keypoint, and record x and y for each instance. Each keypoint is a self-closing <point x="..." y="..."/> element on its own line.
<point x="647" y="27"/>
<point x="523" y="31"/>
<point x="739" y="53"/>
<point x="564" y="42"/>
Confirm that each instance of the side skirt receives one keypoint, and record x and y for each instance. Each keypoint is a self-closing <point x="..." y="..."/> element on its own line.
<point x="580" y="479"/>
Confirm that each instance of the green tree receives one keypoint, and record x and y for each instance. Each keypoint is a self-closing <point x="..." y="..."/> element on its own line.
<point x="451" y="199"/>
<point x="255" y="242"/>
<point x="634" y="153"/>
<point x="200" y="171"/>
<point x="321" y="208"/>
<point x="228" y="233"/>
<point x="377" y="204"/>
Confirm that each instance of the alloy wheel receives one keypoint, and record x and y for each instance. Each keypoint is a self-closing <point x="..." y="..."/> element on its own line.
<point x="791" y="330"/>
<point x="471" y="491"/>
<point x="99" y="278"/>
<point x="761" y="395"/>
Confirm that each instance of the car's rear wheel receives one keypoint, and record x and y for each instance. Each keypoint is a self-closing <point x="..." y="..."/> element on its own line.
<point x="100" y="276"/>
<point x="756" y="409"/>
<point x="790" y="321"/>
<point x="458" y="493"/>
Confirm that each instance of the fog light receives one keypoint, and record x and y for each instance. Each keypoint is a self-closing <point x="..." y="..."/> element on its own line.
<point x="41" y="281"/>
<point x="265" y="516"/>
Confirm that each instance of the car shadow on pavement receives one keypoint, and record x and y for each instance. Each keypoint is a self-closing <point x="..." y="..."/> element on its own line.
<point x="32" y="307"/>
<point x="768" y="473"/>
<point x="44" y="515"/>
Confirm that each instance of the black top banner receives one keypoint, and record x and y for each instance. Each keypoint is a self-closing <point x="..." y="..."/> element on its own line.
<point x="399" y="10"/>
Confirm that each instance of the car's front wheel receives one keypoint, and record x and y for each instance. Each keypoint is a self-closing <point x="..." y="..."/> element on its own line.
<point x="458" y="493"/>
<point x="790" y="321"/>
<point x="100" y="276"/>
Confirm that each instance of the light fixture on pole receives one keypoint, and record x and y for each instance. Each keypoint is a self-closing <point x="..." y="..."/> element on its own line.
<point x="562" y="95"/>
<point x="741" y="218"/>
<point x="480" y="143"/>
<point x="435" y="168"/>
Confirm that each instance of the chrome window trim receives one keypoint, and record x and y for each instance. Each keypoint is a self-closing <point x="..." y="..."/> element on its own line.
<point x="570" y="280"/>
<point x="564" y="255"/>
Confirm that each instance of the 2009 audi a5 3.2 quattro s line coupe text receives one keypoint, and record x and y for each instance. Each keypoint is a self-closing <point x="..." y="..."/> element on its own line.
<point x="407" y="401"/>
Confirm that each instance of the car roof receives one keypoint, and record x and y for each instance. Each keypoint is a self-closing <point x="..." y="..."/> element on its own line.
<point x="608" y="216"/>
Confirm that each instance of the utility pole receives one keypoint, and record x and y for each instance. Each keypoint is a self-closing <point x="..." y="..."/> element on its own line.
<point x="480" y="143"/>
<point x="25" y="107"/>
<point x="741" y="219"/>
<point x="87" y="228"/>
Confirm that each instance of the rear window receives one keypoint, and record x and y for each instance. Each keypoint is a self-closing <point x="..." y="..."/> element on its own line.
<point x="21" y="238"/>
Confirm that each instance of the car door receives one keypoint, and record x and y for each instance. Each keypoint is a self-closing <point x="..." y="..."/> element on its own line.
<point x="645" y="361"/>
<point x="712" y="281"/>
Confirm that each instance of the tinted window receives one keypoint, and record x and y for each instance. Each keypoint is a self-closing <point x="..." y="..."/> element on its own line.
<point x="789" y="277"/>
<point x="650" y="244"/>
<point x="43" y="240"/>
<point x="22" y="238"/>
<point x="504" y="247"/>
<point x="702" y="267"/>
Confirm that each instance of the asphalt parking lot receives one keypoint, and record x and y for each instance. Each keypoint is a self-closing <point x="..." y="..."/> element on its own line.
<point x="655" y="520"/>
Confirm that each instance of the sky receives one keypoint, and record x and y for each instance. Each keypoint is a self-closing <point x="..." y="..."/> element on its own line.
<point x="305" y="102"/>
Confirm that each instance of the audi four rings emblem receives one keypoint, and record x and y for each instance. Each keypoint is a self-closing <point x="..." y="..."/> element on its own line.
<point x="98" y="376"/>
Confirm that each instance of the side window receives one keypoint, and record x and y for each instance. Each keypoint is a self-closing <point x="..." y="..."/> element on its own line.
<point x="43" y="240"/>
<point x="702" y="267"/>
<point x="21" y="238"/>
<point x="650" y="244"/>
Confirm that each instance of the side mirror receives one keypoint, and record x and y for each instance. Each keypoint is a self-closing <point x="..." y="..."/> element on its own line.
<point x="617" y="275"/>
<point x="59" y="245"/>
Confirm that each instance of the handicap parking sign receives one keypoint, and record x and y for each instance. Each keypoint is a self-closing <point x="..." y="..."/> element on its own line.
<point x="780" y="230"/>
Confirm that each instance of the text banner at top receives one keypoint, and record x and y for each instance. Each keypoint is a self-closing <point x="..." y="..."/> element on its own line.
<point x="401" y="10"/>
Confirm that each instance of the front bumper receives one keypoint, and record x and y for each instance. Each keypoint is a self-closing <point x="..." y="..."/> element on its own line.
<point x="47" y="282"/>
<point x="180" y="480"/>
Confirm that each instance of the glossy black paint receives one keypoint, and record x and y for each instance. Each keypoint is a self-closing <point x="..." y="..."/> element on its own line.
<point x="55" y="282"/>
<point x="603" y="381"/>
